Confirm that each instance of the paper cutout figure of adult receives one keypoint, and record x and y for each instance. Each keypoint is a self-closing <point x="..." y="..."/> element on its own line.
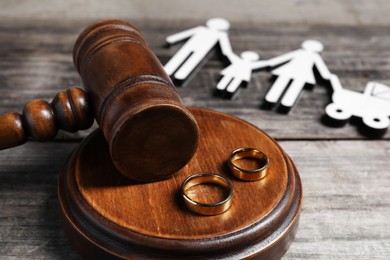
<point x="201" y="41"/>
<point x="239" y="70"/>
<point x="296" y="67"/>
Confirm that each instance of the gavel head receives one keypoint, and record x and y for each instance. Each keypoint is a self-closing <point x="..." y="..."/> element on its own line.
<point x="150" y="133"/>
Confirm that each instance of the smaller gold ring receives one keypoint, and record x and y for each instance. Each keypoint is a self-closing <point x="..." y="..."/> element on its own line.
<point x="248" y="174"/>
<point x="207" y="208"/>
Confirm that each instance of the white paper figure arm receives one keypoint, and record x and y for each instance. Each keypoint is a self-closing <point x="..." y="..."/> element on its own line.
<point x="233" y="58"/>
<point x="259" y="65"/>
<point x="225" y="45"/>
<point x="321" y="67"/>
<point x="335" y="83"/>
<point x="281" y="59"/>
<point x="174" y="38"/>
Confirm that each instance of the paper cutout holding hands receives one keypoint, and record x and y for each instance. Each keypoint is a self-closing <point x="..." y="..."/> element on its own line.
<point x="202" y="40"/>
<point x="240" y="70"/>
<point x="293" y="71"/>
<point x="296" y="67"/>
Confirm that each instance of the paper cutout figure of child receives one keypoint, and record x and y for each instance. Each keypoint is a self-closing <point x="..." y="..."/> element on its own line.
<point x="202" y="40"/>
<point x="239" y="71"/>
<point x="296" y="67"/>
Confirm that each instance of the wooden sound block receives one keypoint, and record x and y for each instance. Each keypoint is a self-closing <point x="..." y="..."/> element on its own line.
<point x="107" y="215"/>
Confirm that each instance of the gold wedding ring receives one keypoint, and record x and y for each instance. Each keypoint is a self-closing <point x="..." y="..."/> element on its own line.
<point x="207" y="208"/>
<point x="248" y="174"/>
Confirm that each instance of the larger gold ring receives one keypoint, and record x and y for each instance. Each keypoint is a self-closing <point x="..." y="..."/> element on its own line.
<point x="207" y="208"/>
<point x="248" y="174"/>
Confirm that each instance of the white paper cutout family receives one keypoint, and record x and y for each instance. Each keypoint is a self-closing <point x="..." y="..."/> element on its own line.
<point x="293" y="71"/>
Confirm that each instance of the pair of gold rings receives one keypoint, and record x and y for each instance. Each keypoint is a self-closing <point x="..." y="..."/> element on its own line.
<point x="256" y="173"/>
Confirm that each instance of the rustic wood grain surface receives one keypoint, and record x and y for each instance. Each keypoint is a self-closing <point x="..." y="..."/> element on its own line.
<point x="346" y="176"/>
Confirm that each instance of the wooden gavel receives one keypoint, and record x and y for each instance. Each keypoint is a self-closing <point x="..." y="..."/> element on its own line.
<point x="150" y="133"/>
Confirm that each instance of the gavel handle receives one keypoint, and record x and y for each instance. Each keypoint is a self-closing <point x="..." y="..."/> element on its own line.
<point x="41" y="120"/>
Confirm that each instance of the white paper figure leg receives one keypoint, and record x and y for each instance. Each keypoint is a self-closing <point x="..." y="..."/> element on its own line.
<point x="277" y="89"/>
<point x="233" y="86"/>
<point x="177" y="60"/>
<point x="223" y="83"/>
<point x="189" y="65"/>
<point x="292" y="93"/>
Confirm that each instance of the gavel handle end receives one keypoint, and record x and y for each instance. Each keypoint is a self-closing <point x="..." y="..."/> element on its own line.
<point x="12" y="132"/>
<point x="41" y="120"/>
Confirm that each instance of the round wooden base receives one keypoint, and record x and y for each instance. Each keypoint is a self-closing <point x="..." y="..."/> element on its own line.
<point x="108" y="215"/>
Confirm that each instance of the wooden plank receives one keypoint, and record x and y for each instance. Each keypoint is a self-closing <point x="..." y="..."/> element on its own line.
<point x="346" y="199"/>
<point x="330" y="12"/>
<point x="345" y="208"/>
<point x="36" y="63"/>
<point x="29" y="213"/>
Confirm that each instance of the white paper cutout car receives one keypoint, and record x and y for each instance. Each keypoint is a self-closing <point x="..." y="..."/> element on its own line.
<point x="373" y="105"/>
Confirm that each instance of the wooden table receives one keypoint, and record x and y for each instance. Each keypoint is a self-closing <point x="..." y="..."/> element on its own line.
<point x="346" y="176"/>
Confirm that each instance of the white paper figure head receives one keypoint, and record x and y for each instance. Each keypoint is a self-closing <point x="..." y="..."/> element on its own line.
<point x="218" y="24"/>
<point x="249" y="56"/>
<point x="312" y="45"/>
